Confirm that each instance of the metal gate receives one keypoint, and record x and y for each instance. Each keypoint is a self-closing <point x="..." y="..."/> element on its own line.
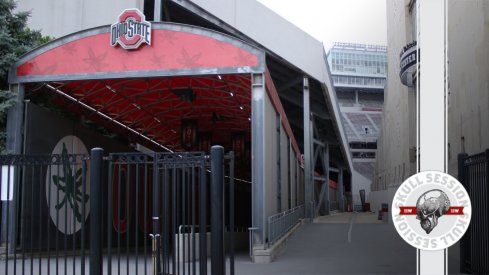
<point x="167" y="196"/>
<point x="474" y="245"/>
<point x="157" y="213"/>
<point x="44" y="214"/>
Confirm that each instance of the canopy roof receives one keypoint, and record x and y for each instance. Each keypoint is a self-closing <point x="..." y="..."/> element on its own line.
<point x="176" y="49"/>
<point x="187" y="73"/>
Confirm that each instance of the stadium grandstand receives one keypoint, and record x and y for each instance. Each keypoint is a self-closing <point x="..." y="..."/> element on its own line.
<point x="359" y="74"/>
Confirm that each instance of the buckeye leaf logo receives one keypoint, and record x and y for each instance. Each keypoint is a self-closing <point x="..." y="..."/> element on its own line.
<point x="70" y="184"/>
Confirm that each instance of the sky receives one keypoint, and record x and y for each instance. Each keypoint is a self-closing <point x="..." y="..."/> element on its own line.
<point x="354" y="21"/>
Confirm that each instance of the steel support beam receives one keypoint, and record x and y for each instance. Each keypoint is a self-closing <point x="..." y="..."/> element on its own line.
<point x="326" y="175"/>
<point x="14" y="145"/>
<point x="308" y="183"/>
<point x="341" y="201"/>
<point x="15" y="122"/>
<point x="258" y="156"/>
<point x="322" y="206"/>
<point x="157" y="10"/>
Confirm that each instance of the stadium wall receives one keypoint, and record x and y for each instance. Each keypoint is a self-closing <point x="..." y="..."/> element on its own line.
<point x="468" y="93"/>
<point x="395" y="158"/>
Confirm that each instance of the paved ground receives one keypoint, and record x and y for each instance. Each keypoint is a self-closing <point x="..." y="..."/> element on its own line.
<point x="342" y="244"/>
<point x="346" y="243"/>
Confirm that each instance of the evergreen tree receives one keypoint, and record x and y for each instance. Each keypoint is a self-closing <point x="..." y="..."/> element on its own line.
<point x="15" y="39"/>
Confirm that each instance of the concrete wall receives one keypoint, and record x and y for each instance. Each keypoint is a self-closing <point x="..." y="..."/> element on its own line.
<point x="275" y="143"/>
<point x="468" y="55"/>
<point x="360" y="182"/>
<point x="379" y="197"/>
<point x="397" y="141"/>
<point x="59" y="18"/>
<point x="468" y="93"/>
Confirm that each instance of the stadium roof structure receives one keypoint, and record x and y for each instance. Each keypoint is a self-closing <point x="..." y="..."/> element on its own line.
<point x="285" y="61"/>
<point x="291" y="55"/>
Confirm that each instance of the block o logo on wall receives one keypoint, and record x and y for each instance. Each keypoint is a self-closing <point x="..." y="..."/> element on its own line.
<point x="64" y="193"/>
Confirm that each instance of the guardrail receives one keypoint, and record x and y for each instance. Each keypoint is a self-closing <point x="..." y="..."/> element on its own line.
<point x="282" y="222"/>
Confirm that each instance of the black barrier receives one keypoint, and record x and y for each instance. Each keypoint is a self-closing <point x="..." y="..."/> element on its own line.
<point x="164" y="195"/>
<point x="474" y="245"/>
<point x="217" y="211"/>
<point x="46" y="211"/>
<point x="96" y="159"/>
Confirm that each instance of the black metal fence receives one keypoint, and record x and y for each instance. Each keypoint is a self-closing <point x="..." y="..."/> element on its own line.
<point x="128" y="213"/>
<point x="43" y="228"/>
<point x="474" y="245"/>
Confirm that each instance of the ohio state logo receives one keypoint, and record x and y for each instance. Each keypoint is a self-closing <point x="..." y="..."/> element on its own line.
<point x="131" y="30"/>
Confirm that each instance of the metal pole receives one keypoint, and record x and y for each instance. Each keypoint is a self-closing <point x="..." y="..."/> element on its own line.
<point x="259" y="166"/>
<point x="96" y="211"/>
<point x="156" y="212"/>
<point x="308" y="183"/>
<point x="326" y="162"/>
<point x="465" y="240"/>
<point x="217" y="211"/>
<point x="203" y="221"/>
<point x="341" y="190"/>
<point x="231" y="213"/>
<point x="155" y="253"/>
<point x="157" y="10"/>
<point x="14" y="145"/>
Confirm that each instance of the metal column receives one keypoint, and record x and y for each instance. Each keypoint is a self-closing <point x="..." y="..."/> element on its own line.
<point x="308" y="183"/>
<point x="14" y="145"/>
<point x="96" y="261"/>
<point x="218" y="260"/>
<point x="157" y="10"/>
<point x="258" y="159"/>
<point x="326" y="180"/>
<point x="341" y="202"/>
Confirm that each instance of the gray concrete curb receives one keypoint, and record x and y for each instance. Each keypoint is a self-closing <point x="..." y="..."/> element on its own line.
<point x="270" y="254"/>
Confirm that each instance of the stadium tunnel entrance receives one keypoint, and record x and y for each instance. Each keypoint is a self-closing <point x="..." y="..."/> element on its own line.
<point x="190" y="89"/>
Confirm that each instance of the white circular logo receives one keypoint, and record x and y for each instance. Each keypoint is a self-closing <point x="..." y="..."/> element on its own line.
<point x="64" y="193"/>
<point x="431" y="210"/>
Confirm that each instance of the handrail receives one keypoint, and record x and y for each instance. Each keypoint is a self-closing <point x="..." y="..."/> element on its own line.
<point x="280" y="223"/>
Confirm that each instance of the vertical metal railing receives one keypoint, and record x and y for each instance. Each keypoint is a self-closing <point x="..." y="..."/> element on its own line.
<point x="474" y="245"/>
<point x="130" y="217"/>
<point x="280" y="223"/>
<point x="56" y="207"/>
<point x="44" y="213"/>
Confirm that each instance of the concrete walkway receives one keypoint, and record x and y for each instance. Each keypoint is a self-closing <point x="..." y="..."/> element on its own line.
<point x="345" y="243"/>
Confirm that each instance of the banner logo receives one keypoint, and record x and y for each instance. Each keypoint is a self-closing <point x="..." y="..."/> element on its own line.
<point x="431" y="210"/>
<point x="131" y="30"/>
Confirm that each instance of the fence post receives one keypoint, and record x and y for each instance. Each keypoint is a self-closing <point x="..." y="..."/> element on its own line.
<point x="217" y="211"/>
<point x="96" y="157"/>
<point x="485" y="258"/>
<point x="464" y="241"/>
